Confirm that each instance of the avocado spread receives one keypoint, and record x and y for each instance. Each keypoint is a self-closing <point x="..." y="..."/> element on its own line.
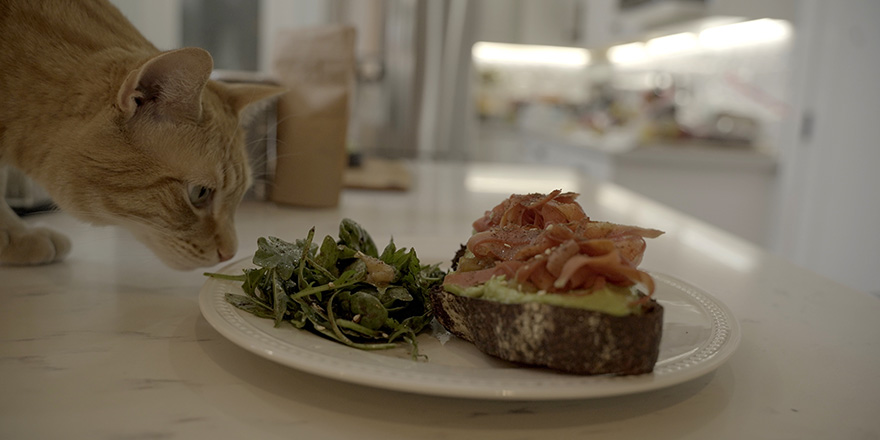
<point x="613" y="300"/>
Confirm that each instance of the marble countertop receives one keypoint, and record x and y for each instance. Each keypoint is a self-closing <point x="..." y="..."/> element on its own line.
<point x="110" y="344"/>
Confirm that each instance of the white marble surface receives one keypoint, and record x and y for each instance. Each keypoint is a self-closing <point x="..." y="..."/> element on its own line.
<point x="111" y="345"/>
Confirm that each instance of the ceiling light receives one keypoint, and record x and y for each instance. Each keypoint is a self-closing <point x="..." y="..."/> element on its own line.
<point x="764" y="30"/>
<point x="627" y="53"/>
<point x="502" y="53"/>
<point x="672" y="43"/>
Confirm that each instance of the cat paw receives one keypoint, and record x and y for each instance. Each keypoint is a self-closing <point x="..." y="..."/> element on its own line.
<point x="31" y="246"/>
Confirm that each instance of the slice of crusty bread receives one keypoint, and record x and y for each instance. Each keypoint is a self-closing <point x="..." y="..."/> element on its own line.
<point x="565" y="339"/>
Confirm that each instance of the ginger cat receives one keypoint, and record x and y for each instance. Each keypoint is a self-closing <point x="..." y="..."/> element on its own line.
<point x="118" y="133"/>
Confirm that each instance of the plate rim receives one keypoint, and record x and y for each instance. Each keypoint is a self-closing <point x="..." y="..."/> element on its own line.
<point x="710" y="354"/>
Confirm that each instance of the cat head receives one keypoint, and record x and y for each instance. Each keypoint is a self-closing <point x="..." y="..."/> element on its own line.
<point x="177" y="168"/>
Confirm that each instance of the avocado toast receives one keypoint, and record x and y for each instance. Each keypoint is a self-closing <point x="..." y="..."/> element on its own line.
<point x="540" y="283"/>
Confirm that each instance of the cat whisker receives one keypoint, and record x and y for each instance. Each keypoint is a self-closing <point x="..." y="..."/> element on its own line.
<point x="127" y="221"/>
<point x="290" y="116"/>
<point x="141" y="221"/>
<point x="290" y="154"/>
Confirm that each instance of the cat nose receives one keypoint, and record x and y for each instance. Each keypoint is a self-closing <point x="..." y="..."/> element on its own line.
<point x="224" y="255"/>
<point x="227" y="244"/>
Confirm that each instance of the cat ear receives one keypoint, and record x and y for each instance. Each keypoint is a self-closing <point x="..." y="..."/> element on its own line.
<point x="171" y="83"/>
<point x="240" y="96"/>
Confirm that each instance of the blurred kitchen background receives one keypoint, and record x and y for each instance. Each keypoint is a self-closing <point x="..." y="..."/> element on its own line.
<point x="761" y="117"/>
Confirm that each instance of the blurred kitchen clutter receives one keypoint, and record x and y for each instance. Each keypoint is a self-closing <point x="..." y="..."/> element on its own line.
<point x="694" y="86"/>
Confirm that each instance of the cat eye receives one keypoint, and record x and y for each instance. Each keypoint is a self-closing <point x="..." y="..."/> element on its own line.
<point x="200" y="195"/>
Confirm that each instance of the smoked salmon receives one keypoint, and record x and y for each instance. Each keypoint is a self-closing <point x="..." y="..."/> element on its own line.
<point x="548" y="243"/>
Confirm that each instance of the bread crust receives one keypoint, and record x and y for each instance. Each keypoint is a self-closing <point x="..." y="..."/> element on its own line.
<point x="566" y="339"/>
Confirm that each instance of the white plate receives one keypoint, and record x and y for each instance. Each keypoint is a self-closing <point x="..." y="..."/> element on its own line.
<point x="699" y="334"/>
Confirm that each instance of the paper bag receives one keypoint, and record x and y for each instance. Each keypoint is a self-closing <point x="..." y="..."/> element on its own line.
<point x="317" y="65"/>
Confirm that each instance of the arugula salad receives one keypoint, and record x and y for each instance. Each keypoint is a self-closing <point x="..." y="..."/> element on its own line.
<point x="342" y="289"/>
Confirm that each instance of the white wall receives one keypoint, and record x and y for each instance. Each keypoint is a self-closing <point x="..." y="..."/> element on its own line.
<point x="830" y="184"/>
<point x="276" y="15"/>
<point x="160" y="21"/>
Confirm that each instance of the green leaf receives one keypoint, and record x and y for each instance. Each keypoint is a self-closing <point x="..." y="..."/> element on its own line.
<point x="301" y="264"/>
<point x="394" y="293"/>
<point x="356" y="270"/>
<point x="318" y="274"/>
<point x="298" y="318"/>
<point x="280" y="300"/>
<point x="417" y="323"/>
<point x="372" y="314"/>
<point x="351" y="234"/>
<point x="223" y="276"/>
<point x="255" y="279"/>
<point x="357" y="329"/>
<point x="350" y="276"/>
<point x="249" y="305"/>
<point x="328" y="255"/>
<point x="275" y="253"/>
<point x="389" y="252"/>
<point x="346" y="253"/>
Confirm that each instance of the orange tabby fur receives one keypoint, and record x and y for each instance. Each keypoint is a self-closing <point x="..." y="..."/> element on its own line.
<point x="118" y="133"/>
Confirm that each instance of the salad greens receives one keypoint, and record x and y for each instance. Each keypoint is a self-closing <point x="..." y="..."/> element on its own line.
<point x="344" y="289"/>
